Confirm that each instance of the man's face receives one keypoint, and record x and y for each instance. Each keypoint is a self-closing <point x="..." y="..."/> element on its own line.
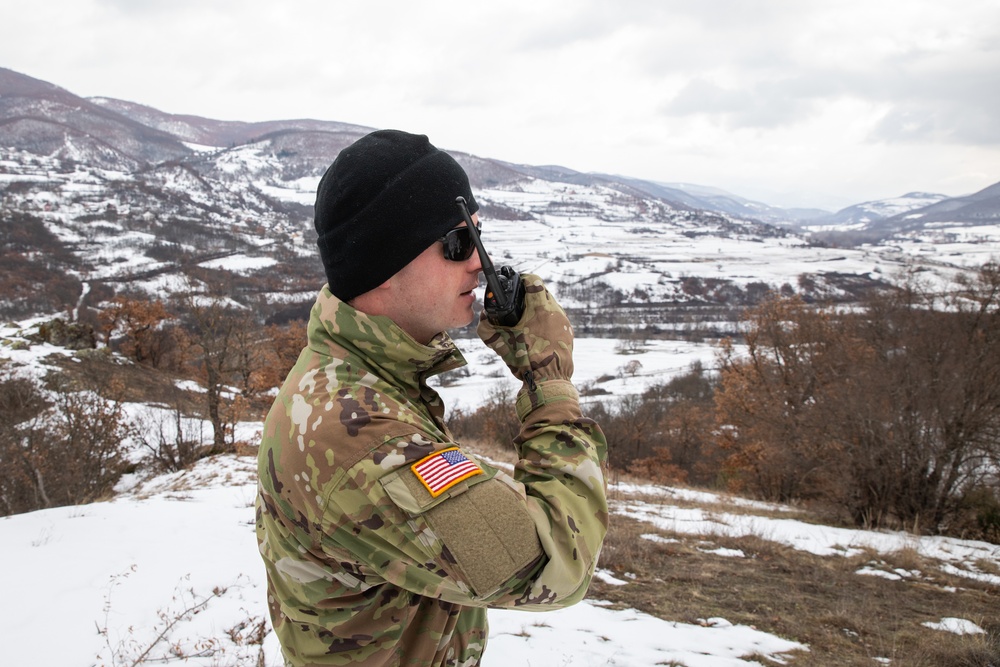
<point x="432" y="294"/>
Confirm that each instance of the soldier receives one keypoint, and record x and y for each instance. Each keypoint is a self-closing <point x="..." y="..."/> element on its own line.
<point x="384" y="539"/>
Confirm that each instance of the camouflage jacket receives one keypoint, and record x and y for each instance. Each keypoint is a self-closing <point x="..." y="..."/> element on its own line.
<point x="384" y="540"/>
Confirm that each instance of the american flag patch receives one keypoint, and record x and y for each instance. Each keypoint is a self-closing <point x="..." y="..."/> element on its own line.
<point x="442" y="470"/>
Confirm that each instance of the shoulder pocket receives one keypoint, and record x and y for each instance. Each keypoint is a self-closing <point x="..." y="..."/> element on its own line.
<point x="486" y="526"/>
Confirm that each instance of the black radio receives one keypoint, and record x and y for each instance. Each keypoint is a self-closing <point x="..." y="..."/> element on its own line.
<point x="504" y="299"/>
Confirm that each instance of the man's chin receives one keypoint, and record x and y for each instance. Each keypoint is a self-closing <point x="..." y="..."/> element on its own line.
<point x="466" y="319"/>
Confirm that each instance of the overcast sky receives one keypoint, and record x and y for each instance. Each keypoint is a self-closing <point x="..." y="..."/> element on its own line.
<point x="792" y="102"/>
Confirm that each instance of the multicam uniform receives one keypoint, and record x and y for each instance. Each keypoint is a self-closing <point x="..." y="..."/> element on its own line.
<point x="383" y="539"/>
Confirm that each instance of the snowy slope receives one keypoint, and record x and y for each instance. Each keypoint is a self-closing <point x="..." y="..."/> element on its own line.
<point x="861" y="215"/>
<point x="177" y="555"/>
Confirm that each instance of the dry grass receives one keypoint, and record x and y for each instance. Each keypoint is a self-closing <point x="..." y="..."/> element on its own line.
<point x="845" y="618"/>
<point x="645" y="492"/>
<point x="97" y="370"/>
<point x="499" y="455"/>
<point x="987" y="567"/>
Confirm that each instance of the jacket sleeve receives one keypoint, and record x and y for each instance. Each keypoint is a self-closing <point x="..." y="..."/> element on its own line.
<point x="562" y="460"/>
<point x="530" y="540"/>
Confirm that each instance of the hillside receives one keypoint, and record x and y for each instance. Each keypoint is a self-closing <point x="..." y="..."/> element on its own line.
<point x="112" y="197"/>
<point x="102" y="198"/>
<point x="861" y="216"/>
<point x="189" y="555"/>
<point x="966" y="225"/>
<point x="167" y="571"/>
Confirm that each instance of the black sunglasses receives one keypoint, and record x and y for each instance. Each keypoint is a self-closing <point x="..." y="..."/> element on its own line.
<point x="458" y="244"/>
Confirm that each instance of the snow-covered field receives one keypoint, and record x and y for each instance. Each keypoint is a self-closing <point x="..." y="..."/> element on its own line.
<point x="586" y="236"/>
<point x="171" y="566"/>
<point x="176" y="555"/>
<point x="598" y="363"/>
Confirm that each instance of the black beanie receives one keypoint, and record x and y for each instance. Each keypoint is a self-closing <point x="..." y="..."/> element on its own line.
<point x="384" y="200"/>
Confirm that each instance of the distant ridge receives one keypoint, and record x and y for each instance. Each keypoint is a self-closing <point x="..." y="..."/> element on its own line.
<point x="219" y="133"/>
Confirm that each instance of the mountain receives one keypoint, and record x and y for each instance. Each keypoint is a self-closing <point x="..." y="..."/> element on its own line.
<point x="100" y="197"/>
<point x="218" y="133"/>
<point x="917" y="217"/>
<point x="716" y="199"/>
<point x="861" y="216"/>
<point x="980" y="208"/>
<point x="47" y="120"/>
<point x="682" y="195"/>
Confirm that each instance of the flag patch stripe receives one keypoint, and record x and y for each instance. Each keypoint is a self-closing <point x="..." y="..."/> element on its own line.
<point x="442" y="470"/>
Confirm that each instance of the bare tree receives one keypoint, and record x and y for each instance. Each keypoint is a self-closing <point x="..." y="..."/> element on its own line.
<point x="892" y="411"/>
<point x="68" y="453"/>
<point x="214" y="331"/>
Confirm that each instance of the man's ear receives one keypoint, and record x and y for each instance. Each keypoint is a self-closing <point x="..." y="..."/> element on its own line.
<point x="372" y="301"/>
<point x="386" y="286"/>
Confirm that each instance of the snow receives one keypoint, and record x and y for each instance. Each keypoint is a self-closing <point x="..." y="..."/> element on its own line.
<point x="200" y="148"/>
<point x="726" y="553"/>
<point x="968" y="246"/>
<point x="814" y="538"/>
<point x="298" y="191"/>
<point x="597" y="364"/>
<point x="179" y="550"/>
<point x="240" y="263"/>
<point x="589" y="634"/>
<point x="118" y="569"/>
<point x="115" y="573"/>
<point x="897" y="574"/>
<point x="588" y="236"/>
<point x="123" y="566"/>
<point x="958" y="626"/>
<point x="609" y="578"/>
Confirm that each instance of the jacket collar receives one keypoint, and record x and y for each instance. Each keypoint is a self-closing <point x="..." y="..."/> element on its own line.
<point x="380" y="344"/>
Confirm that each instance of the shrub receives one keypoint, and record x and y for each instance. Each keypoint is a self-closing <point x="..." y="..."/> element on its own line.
<point x="495" y="422"/>
<point x="889" y="411"/>
<point x="69" y="452"/>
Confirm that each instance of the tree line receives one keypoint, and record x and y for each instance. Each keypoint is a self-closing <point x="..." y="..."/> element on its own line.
<point x="885" y="413"/>
<point x="882" y="414"/>
<point x="890" y="411"/>
<point x="69" y="440"/>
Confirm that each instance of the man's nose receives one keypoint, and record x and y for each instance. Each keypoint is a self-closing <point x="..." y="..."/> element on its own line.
<point x="475" y="263"/>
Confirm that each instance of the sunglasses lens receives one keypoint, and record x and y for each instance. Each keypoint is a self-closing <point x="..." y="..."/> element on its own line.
<point x="458" y="245"/>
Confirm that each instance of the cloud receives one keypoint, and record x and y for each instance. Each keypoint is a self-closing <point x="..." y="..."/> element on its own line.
<point x="763" y="105"/>
<point x="940" y="84"/>
<point x="944" y="122"/>
<point x="762" y="93"/>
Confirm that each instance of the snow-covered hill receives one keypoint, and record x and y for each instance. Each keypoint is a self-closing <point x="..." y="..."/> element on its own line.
<point x="171" y="567"/>
<point x="168" y="569"/>
<point x="99" y="196"/>
<point x="237" y="211"/>
<point x="860" y="216"/>
<point x="232" y="203"/>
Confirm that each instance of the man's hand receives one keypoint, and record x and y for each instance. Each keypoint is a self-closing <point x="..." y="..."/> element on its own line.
<point x="540" y="346"/>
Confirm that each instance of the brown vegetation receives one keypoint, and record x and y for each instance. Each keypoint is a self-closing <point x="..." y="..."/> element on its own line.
<point x="886" y="415"/>
<point x="890" y="412"/>
<point x="906" y="372"/>
<point x="35" y="275"/>
<point x="66" y="442"/>
<point x="67" y="452"/>
<point x="846" y="619"/>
